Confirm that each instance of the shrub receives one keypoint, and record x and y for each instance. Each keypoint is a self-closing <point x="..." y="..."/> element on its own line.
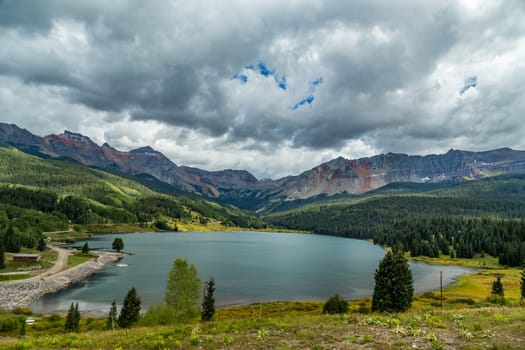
<point x="9" y="323"/>
<point x="158" y="315"/>
<point x="335" y="305"/>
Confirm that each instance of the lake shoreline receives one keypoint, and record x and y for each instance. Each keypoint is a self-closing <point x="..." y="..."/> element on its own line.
<point x="22" y="293"/>
<point x="287" y="245"/>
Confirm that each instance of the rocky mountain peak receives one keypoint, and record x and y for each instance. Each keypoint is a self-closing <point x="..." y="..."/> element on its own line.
<point x="144" y="150"/>
<point x="76" y="136"/>
<point x="337" y="163"/>
<point x="337" y="176"/>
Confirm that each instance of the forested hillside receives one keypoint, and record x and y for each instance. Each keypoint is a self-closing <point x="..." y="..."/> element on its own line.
<point x="460" y="219"/>
<point x="48" y="195"/>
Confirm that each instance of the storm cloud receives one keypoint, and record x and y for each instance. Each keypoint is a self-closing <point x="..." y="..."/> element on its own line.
<point x="270" y="86"/>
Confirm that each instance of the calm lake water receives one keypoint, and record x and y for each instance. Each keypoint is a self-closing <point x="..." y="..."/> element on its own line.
<point x="248" y="267"/>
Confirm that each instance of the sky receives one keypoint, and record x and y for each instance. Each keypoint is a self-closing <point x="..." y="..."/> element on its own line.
<point x="273" y="87"/>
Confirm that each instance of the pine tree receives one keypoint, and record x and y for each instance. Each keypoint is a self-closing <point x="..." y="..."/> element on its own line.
<point x="112" y="317"/>
<point x="497" y="287"/>
<point x="2" y="255"/>
<point x="183" y="290"/>
<point x="11" y="240"/>
<point x="76" y="318"/>
<point x="118" y="244"/>
<point x="208" y="302"/>
<point x="73" y="319"/>
<point x="42" y="245"/>
<point x="394" y="285"/>
<point x="85" y="248"/>
<point x="23" y="326"/>
<point x="69" y="319"/>
<point x="130" y="311"/>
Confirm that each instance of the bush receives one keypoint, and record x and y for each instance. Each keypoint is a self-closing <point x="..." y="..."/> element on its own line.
<point x="497" y="299"/>
<point x="22" y="311"/>
<point x="9" y="323"/>
<point x="158" y="315"/>
<point x="335" y="305"/>
<point x="364" y="308"/>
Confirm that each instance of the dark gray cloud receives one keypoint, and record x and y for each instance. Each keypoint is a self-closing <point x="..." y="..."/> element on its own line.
<point x="174" y="73"/>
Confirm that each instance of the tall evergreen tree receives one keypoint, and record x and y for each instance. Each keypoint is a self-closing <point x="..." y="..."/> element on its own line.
<point x="42" y="245"/>
<point x="85" y="248"/>
<point x="183" y="290"/>
<point x="23" y="329"/>
<point x="12" y="240"/>
<point x="394" y="285"/>
<point x="73" y="319"/>
<point x="2" y="255"/>
<point x="130" y="311"/>
<point x="112" y="317"/>
<point x="497" y="287"/>
<point x="77" y="318"/>
<point x="208" y="302"/>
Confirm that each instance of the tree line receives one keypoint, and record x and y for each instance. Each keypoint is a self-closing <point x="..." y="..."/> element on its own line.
<point x="27" y="212"/>
<point x="423" y="226"/>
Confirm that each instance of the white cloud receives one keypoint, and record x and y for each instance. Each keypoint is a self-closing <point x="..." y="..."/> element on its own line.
<point x="161" y="75"/>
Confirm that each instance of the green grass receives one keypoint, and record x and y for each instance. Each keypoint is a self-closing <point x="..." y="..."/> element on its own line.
<point x="485" y="262"/>
<point x="480" y="328"/>
<point x="18" y="276"/>
<point x="468" y="321"/>
<point x="77" y="259"/>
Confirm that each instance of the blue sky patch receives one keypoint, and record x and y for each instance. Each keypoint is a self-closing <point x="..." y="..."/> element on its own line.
<point x="316" y="82"/>
<point x="470" y="82"/>
<point x="243" y="78"/>
<point x="282" y="83"/>
<point x="264" y="70"/>
<point x="304" y="101"/>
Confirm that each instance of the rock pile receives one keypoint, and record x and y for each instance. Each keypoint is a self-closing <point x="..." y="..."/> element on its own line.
<point x="23" y="293"/>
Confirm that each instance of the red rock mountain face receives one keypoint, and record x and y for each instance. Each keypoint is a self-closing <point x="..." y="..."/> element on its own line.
<point x="337" y="176"/>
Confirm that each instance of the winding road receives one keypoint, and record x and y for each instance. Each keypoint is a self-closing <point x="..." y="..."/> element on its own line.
<point x="60" y="263"/>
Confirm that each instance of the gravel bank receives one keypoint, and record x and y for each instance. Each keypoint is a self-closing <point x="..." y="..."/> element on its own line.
<point x="23" y="293"/>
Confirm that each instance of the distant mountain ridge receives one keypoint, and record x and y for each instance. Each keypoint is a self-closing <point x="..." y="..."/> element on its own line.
<point x="241" y="188"/>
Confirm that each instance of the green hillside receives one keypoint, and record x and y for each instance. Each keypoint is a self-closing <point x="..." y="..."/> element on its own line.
<point x="461" y="219"/>
<point x="48" y="195"/>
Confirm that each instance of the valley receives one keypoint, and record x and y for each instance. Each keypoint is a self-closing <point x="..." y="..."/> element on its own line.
<point x="457" y="209"/>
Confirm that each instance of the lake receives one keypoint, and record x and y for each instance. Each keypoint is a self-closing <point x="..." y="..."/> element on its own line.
<point x="248" y="267"/>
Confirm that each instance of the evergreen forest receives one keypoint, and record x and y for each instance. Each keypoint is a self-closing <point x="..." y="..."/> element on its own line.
<point x="457" y="219"/>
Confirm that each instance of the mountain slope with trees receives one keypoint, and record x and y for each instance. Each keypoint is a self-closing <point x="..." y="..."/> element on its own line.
<point x="458" y="219"/>
<point x="48" y="195"/>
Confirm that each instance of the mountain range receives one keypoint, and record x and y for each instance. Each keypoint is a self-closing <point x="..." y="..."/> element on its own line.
<point x="339" y="176"/>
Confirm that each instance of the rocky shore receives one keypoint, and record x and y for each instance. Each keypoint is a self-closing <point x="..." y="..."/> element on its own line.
<point x="23" y="293"/>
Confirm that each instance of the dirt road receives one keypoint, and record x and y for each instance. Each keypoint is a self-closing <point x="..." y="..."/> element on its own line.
<point x="60" y="263"/>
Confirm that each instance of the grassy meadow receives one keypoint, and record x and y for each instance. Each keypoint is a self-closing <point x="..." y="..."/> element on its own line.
<point x="468" y="320"/>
